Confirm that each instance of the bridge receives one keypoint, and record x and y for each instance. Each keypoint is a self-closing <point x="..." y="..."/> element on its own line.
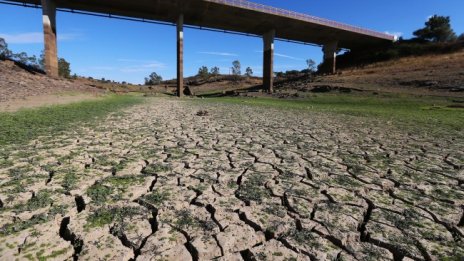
<point x="240" y="16"/>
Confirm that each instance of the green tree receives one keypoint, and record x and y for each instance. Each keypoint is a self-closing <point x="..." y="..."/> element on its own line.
<point x="21" y="57"/>
<point x="437" y="29"/>
<point x="153" y="79"/>
<point x="214" y="71"/>
<point x="4" y="51"/>
<point x="203" y="72"/>
<point x="64" y="68"/>
<point x="42" y="60"/>
<point x="34" y="62"/>
<point x="249" y="72"/>
<point x="236" y="68"/>
<point x="461" y="37"/>
<point x="311" y="65"/>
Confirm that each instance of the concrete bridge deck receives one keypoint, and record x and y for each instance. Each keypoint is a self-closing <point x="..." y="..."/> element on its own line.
<point x="231" y="15"/>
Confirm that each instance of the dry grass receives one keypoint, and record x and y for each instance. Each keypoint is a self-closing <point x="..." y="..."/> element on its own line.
<point x="441" y="75"/>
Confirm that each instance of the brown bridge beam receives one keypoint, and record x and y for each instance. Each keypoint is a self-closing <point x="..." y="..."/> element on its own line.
<point x="268" y="61"/>
<point x="49" y="27"/>
<point x="180" y="55"/>
<point x="330" y="58"/>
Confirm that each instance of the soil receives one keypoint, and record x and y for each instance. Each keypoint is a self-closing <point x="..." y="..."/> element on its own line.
<point x="175" y="179"/>
<point x="45" y="100"/>
<point x="440" y="75"/>
<point x="162" y="181"/>
<point x="18" y="85"/>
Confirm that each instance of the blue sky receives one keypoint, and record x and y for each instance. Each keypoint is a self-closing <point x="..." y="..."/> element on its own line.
<point x="129" y="51"/>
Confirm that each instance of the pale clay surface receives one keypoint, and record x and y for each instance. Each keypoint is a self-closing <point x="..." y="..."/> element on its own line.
<point x="242" y="183"/>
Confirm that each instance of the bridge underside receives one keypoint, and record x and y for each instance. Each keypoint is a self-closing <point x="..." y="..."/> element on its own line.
<point x="244" y="18"/>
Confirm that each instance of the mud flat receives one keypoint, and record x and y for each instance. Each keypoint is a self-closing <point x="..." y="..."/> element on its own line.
<point x="160" y="181"/>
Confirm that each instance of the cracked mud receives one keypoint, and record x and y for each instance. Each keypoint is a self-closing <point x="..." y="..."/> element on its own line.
<point x="159" y="182"/>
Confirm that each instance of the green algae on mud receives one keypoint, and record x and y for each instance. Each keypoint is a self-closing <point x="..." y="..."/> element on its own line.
<point x="432" y="112"/>
<point x="25" y="125"/>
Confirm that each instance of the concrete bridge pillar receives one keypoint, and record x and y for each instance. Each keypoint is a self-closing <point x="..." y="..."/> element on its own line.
<point x="180" y="55"/>
<point x="268" y="61"/>
<point x="330" y="57"/>
<point x="49" y="27"/>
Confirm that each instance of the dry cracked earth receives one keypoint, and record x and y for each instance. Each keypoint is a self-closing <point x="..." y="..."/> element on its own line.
<point x="159" y="182"/>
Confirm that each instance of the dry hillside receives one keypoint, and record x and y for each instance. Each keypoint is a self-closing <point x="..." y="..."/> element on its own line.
<point x="17" y="83"/>
<point x="434" y="74"/>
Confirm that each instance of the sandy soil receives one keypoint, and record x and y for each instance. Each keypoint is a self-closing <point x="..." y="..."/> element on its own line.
<point x="18" y="84"/>
<point x="159" y="182"/>
<point x="45" y="100"/>
<point x="440" y="75"/>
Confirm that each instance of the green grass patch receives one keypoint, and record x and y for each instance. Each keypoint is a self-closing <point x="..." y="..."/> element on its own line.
<point x="157" y="198"/>
<point x="99" y="193"/>
<point x="106" y="216"/>
<point x="25" y="125"/>
<point x="70" y="180"/>
<point x="15" y="227"/>
<point x="422" y="111"/>
<point x="41" y="200"/>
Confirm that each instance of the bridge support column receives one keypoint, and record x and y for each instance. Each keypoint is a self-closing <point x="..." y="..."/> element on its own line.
<point x="330" y="57"/>
<point x="268" y="61"/>
<point x="49" y="28"/>
<point x="180" y="55"/>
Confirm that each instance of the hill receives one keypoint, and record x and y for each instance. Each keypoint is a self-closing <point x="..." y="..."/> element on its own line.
<point x="22" y="88"/>
<point x="441" y="74"/>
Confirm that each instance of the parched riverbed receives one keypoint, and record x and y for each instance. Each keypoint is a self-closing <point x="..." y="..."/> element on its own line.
<point x="160" y="182"/>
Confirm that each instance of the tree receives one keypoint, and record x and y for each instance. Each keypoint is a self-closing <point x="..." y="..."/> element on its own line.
<point x="203" y="72"/>
<point x="42" y="60"/>
<point x="437" y="29"/>
<point x="214" y="71"/>
<point x="34" y="62"/>
<point x="64" y="68"/>
<point x="21" y="57"/>
<point x="461" y="37"/>
<point x="4" y="51"/>
<point x="236" y="68"/>
<point x="311" y="65"/>
<point x="248" y="72"/>
<point x="153" y="79"/>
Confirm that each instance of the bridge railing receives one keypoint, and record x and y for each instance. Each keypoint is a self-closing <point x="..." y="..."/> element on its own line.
<point x="304" y="17"/>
